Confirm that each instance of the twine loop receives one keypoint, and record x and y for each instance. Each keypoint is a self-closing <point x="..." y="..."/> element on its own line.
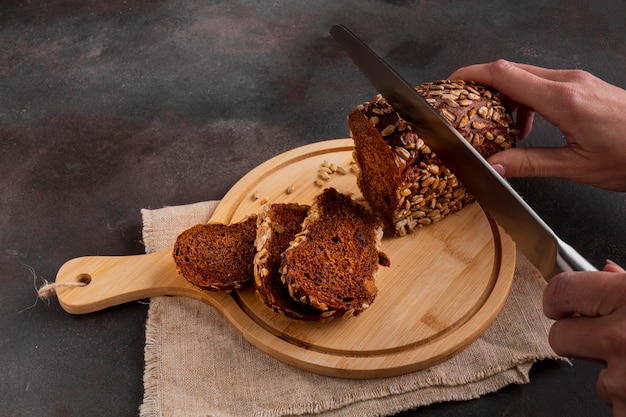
<point x="50" y="288"/>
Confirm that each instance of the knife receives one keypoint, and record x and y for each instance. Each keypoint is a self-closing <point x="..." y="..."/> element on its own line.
<point x="543" y="248"/>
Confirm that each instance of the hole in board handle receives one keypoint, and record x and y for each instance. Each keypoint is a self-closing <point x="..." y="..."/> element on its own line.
<point x="83" y="278"/>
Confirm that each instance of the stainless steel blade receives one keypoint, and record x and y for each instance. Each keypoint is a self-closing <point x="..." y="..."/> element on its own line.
<point x="535" y="239"/>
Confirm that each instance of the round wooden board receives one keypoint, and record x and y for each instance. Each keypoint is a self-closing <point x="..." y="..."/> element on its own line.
<point x="446" y="284"/>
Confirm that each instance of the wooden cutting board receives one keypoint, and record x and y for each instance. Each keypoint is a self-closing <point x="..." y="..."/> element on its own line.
<point x="446" y="284"/>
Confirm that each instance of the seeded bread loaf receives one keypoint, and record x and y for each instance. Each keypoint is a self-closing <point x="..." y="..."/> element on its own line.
<point x="215" y="256"/>
<point x="277" y="226"/>
<point x="400" y="177"/>
<point x="333" y="262"/>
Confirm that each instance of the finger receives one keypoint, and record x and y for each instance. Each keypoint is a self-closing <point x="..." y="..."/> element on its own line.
<point x="524" y="121"/>
<point x="601" y="390"/>
<point x="568" y="162"/>
<point x="559" y="75"/>
<point x="619" y="408"/>
<point x="537" y="162"/>
<point x="611" y="388"/>
<point x="577" y="337"/>
<point x="483" y="73"/>
<point x="532" y="86"/>
<point x="590" y="294"/>
<point x="611" y="266"/>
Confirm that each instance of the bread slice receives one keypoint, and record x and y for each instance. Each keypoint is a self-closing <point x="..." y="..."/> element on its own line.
<point x="215" y="256"/>
<point x="399" y="176"/>
<point x="277" y="226"/>
<point x="333" y="262"/>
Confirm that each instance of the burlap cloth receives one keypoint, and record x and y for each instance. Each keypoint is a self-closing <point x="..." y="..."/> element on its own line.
<point x="198" y="365"/>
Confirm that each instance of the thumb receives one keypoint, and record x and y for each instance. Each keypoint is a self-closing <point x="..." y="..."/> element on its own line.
<point x="533" y="162"/>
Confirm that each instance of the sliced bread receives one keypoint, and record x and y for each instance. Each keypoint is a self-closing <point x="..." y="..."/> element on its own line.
<point x="332" y="264"/>
<point x="277" y="226"/>
<point x="215" y="256"/>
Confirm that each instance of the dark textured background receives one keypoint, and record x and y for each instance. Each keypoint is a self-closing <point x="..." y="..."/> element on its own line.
<point x="110" y="107"/>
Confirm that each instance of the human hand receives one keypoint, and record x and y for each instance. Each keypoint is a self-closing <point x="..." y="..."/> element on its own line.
<point x="590" y="313"/>
<point x="590" y="113"/>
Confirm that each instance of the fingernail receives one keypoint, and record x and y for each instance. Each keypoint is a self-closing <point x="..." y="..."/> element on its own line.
<point x="499" y="168"/>
<point x="612" y="266"/>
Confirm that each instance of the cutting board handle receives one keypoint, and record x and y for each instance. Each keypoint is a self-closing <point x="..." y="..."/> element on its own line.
<point x="93" y="283"/>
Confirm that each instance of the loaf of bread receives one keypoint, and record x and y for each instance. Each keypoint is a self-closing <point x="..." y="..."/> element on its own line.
<point x="277" y="226"/>
<point x="215" y="256"/>
<point x="399" y="176"/>
<point x="333" y="262"/>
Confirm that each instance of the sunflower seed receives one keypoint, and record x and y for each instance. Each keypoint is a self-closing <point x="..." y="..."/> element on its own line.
<point x="403" y="153"/>
<point x="449" y="96"/>
<point x="388" y="130"/>
<point x="428" y="182"/>
<point x="450" y="102"/>
<point x="448" y="115"/>
<point x="323" y="175"/>
<point x="472" y="90"/>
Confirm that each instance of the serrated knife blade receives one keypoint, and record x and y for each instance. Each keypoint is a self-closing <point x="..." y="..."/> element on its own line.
<point x="543" y="248"/>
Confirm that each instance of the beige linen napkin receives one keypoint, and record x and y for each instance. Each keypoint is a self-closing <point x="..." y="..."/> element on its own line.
<point x="198" y="365"/>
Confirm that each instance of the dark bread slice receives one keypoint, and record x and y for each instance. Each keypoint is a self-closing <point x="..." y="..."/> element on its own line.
<point x="399" y="176"/>
<point x="215" y="256"/>
<point x="332" y="263"/>
<point x="277" y="225"/>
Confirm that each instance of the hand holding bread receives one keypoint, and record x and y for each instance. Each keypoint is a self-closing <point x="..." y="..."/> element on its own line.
<point x="588" y="111"/>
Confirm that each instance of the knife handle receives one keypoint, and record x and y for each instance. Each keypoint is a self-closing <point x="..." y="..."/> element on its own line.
<point x="567" y="259"/>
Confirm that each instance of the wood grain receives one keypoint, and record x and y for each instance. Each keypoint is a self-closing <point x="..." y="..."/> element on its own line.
<point x="446" y="284"/>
